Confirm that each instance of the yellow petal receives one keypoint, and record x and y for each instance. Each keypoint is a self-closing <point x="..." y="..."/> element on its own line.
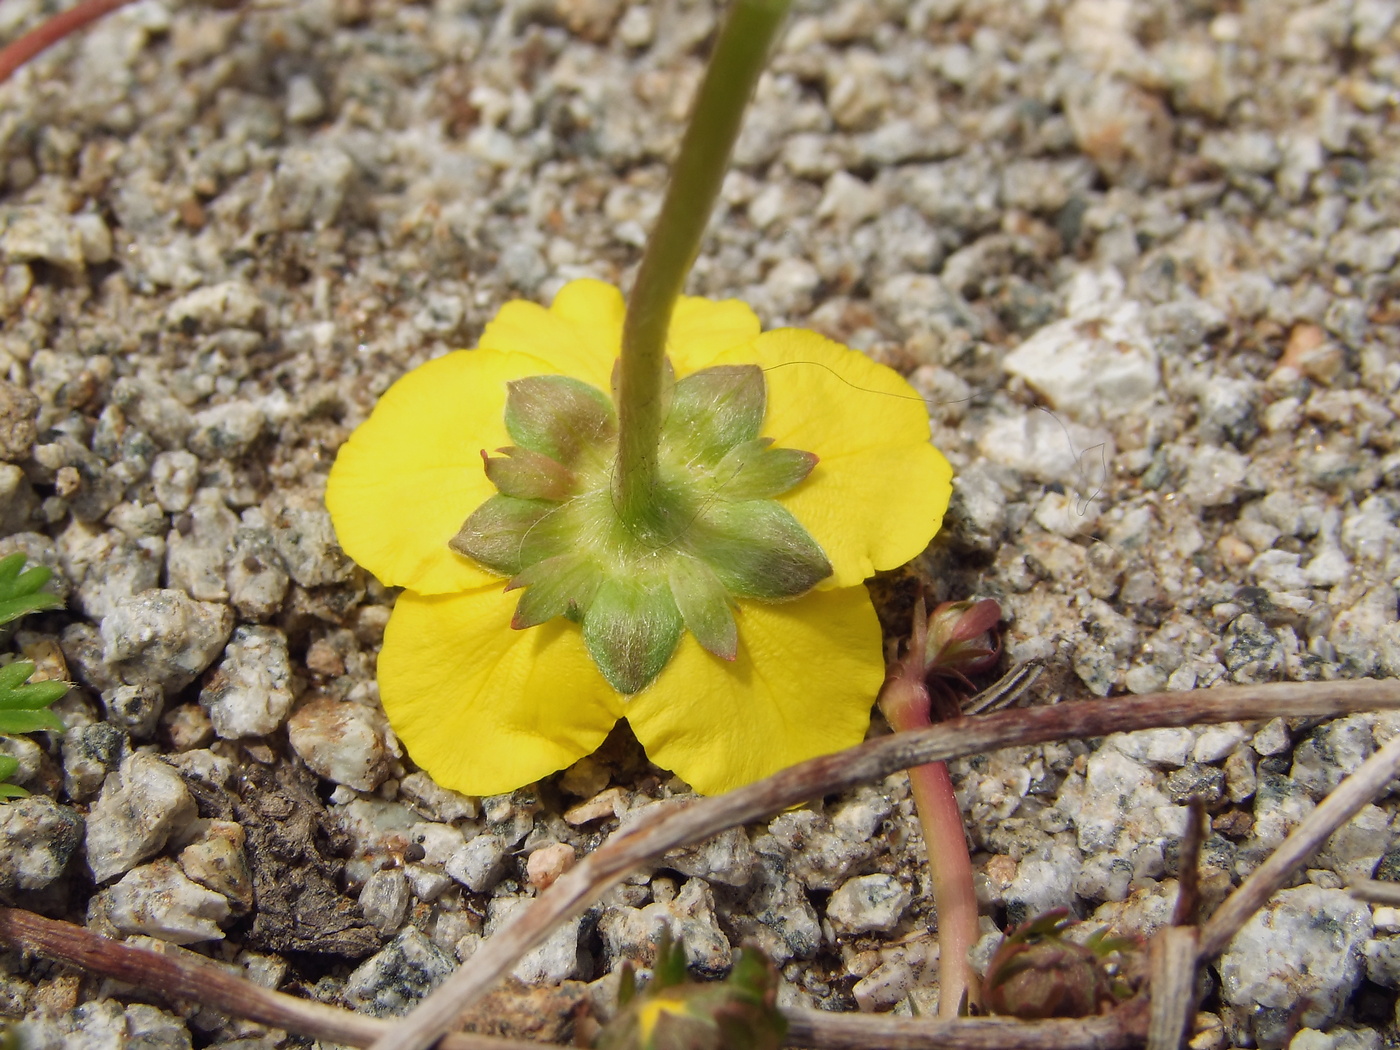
<point x="579" y="335"/>
<point x="802" y="685"/>
<point x="703" y="329"/>
<point x="483" y="708"/>
<point x="410" y="475"/>
<point x="879" y="490"/>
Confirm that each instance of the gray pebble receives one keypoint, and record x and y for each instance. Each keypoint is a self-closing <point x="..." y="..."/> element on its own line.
<point x="390" y="982"/>
<point x="384" y="900"/>
<point x="1302" y="951"/>
<point x="250" y="694"/>
<point x="341" y="741"/>
<point x="141" y="806"/>
<point x="1330" y="753"/>
<point x="478" y="865"/>
<point x="18" y="409"/>
<point x="90" y="752"/>
<point x="157" y="899"/>
<point x="257" y="579"/>
<point x="554" y="960"/>
<point x="866" y="903"/>
<point x="1253" y="652"/>
<point x="164" y="639"/>
<point x="134" y="709"/>
<point x="38" y="838"/>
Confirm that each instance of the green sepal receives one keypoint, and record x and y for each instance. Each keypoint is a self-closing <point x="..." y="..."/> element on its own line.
<point x="563" y="585"/>
<point x="558" y="416"/>
<point x="19" y="590"/>
<point x="758" y="550"/>
<point x="717" y="408"/>
<point x="631" y="628"/>
<point x="526" y="474"/>
<point x="755" y="470"/>
<point x="704" y="606"/>
<point x="494" y="533"/>
<point x="669" y="968"/>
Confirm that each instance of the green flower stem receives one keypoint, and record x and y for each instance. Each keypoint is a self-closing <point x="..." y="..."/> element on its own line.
<point x="904" y="701"/>
<point x="739" y="57"/>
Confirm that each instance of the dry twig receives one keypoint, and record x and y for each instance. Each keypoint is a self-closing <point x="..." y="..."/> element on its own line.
<point x="1331" y="813"/>
<point x="45" y="35"/>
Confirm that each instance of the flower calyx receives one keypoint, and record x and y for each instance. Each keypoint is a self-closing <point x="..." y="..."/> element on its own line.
<point x="710" y="533"/>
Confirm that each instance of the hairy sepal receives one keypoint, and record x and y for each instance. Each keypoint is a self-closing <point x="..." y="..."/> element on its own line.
<point x="563" y="585"/>
<point x="630" y="629"/>
<point x="704" y="606"/>
<point x="526" y="474"/>
<point x="758" y="550"/>
<point x="495" y="533"/>
<point x="558" y="416"/>
<point x="756" y="470"/>
<point x="717" y="408"/>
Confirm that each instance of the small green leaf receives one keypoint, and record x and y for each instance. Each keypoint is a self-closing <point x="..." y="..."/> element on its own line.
<point x="494" y="532"/>
<point x="753" y="470"/>
<point x="717" y="408"/>
<point x="704" y="606"/>
<point x="9" y="766"/>
<point x="30" y="721"/>
<point x="31" y="697"/>
<point x="525" y="474"/>
<point x="560" y="586"/>
<point x="12" y="791"/>
<point x="631" y="629"/>
<point x="19" y="590"/>
<point x="758" y="550"/>
<point x="558" y="416"/>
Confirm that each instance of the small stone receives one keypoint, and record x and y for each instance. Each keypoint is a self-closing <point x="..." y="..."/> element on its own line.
<point x="869" y="902"/>
<point x="90" y="752"/>
<point x="1206" y="783"/>
<point x="227" y="431"/>
<point x="250" y="693"/>
<point x="134" y="709"/>
<point x="175" y="476"/>
<point x="304" y="101"/>
<point x="217" y="861"/>
<point x="435" y="801"/>
<point x="232" y="304"/>
<point x="157" y="899"/>
<point x="1125" y="130"/>
<point x="544" y="866"/>
<point x="163" y="638"/>
<point x="1356" y="848"/>
<point x="303" y="536"/>
<point x="150" y="1028"/>
<point x="1216" y="742"/>
<point x="17" y="500"/>
<point x="632" y="933"/>
<point x="390" y="982"/>
<point x="1273" y="739"/>
<point x="727" y="858"/>
<point x="1240" y="777"/>
<point x="1303" y="952"/>
<point x="1253" y="652"/>
<point x="553" y="961"/>
<point x="310" y="186"/>
<point x="187" y="727"/>
<point x="196" y="550"/>
<point x="38" y="838"/>
<point x="384" y="900"/>
<point x="18" y="410"/>
<point x="479" y="864"/>
<point x="1331" y="753"/>
<point x="426" y="881"/>
<point x="609" y="803"/>
<point x="811" y="849"/>
<point x="340" y="741"/>
<point x="257" y="579"/>
<point x="29" y="234"/>
<point x="141" y="806"/>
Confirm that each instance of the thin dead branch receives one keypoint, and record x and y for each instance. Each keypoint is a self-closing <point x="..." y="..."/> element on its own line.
<point x="820" y="1030"/>
<point x="44" y="36"/>
<point x="1331" y="813"/>
<point x="1173" y="987"/>
<point x="694" y="821"/>
<point x="1375" y="892"/>
<point x="181" y="974"/>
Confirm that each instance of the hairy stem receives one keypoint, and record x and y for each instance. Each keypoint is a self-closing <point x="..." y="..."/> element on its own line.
<point x="904" y="701"/>
<point x="739" y="57"/>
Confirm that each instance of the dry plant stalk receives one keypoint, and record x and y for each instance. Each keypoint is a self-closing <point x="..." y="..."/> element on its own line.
<point x="184" y="975"/>
<point x="46" y="34"/>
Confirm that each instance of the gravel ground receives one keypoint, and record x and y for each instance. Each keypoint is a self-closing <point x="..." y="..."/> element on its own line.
<point x="1138" y="255"/>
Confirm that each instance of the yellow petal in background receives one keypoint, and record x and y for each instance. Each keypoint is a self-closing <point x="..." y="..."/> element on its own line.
<point x="579" y="335"/>
<point x="483" y="708"/>
<point x="702" y="330"/>
<point x="802" y="685"/>
<point x="879" y="490"/>
<point x="409" y="476"/>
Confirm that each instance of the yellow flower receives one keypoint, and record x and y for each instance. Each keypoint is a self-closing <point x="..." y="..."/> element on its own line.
<point x="485" y="708"/>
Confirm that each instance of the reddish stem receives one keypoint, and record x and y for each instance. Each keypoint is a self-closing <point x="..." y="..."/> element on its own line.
<point x="904" y="700"/>
<point x="42" y="37"/>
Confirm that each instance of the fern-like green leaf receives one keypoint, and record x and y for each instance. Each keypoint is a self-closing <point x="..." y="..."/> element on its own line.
<point x="24" y="705"/>
<point x="19" y="588"/>
<point x="8" y="766"/>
